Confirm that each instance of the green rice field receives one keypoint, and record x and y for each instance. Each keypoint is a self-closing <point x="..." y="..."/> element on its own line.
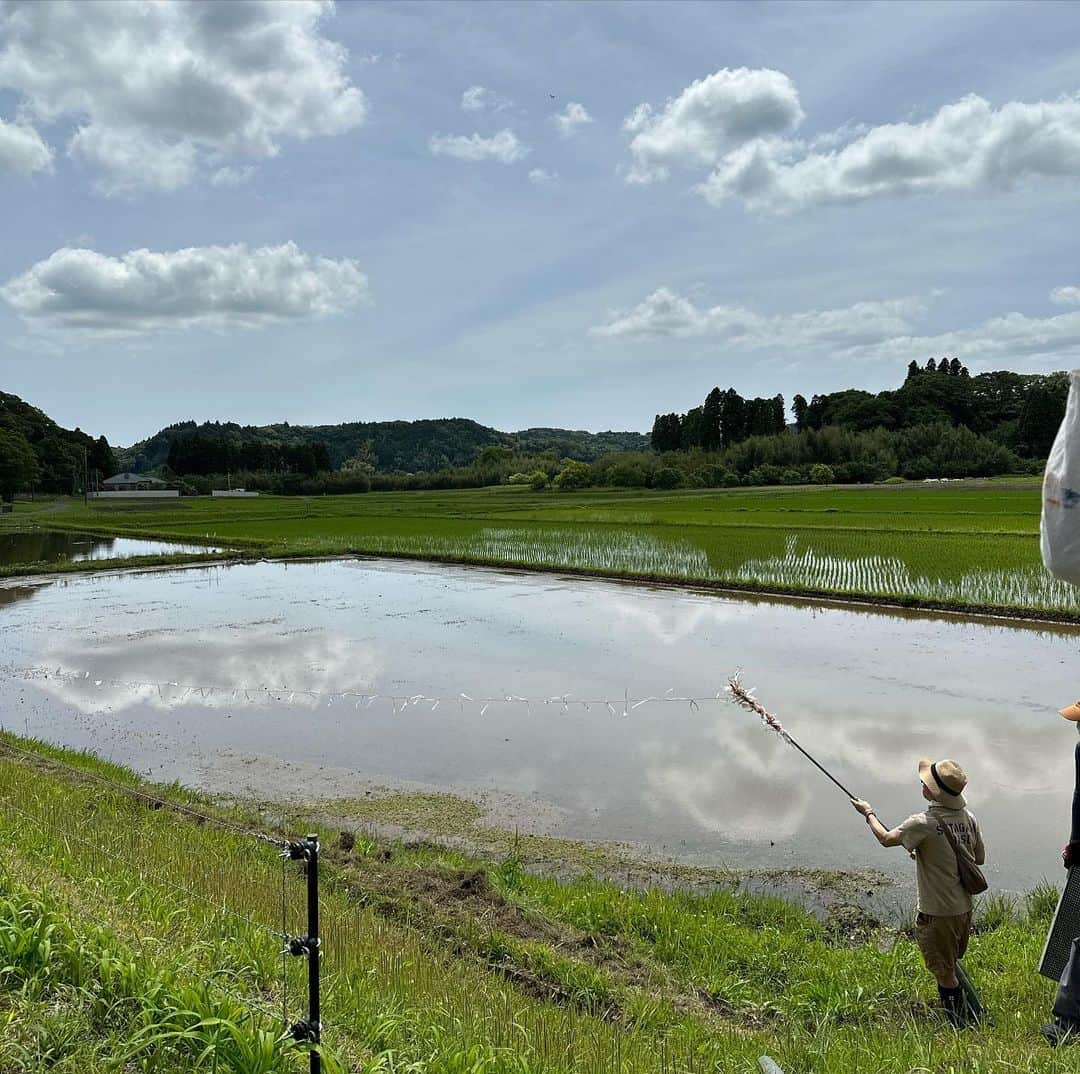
<point x="970" y="545"/>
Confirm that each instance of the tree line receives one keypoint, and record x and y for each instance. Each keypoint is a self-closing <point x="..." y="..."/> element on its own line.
<point x="201" y="454"/>
<point x="723" y="419"/>
<point x="1017" y="411"/>
<point x="390" y="446"/>
<point x="37" y="454"/>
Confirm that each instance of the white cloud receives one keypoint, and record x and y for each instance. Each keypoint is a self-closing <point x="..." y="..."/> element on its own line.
<point x="571" y="118"/>
<point x="217" y="287"/>
<point x="22" y="150"/>
<point x="966" y="146"/>
<point x="503" y="147"/>
<point x="232" y="177"/>
<point x="879" y="332"/>
<point x="481" y="99"/>
<point x="667" y="314"/>
<point x="157" y="91"/>
<point x="709" y="118"/>
<point x="1012" y="337"/>
<point x="541" y="177"/>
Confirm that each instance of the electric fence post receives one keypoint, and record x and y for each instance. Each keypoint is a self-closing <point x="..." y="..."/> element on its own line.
<point x="309" y="1030"/>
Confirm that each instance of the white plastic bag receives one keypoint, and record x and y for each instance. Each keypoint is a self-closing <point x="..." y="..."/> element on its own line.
<point x="1061" y="494"/>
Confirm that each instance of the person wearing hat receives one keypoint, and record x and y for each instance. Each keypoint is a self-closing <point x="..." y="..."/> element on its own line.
<point x="943" y="924"/>
<point x="1064" y="1025"/>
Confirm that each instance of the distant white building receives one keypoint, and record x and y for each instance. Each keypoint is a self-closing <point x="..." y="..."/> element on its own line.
<point x="134" y="486"/>
<point x="131" y="483"/>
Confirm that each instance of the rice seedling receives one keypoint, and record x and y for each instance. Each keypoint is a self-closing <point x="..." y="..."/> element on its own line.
<point x="971" y="547"/>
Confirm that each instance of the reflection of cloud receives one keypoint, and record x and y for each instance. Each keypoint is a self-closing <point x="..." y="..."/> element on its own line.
<point x="736" y="787"/>
<point x="675" y="620"/>
<point x="217" y="667"/>
<point x="885" y="748"/>
<point x="743" y="780"/>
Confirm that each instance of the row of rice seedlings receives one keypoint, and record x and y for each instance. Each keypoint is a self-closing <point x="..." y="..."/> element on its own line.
<point x="804" y="566"/>
<point x="804" y="563"/>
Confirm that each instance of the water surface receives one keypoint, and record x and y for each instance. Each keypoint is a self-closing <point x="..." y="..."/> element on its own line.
<point x="259" y="678"/>
<point x="49" y="546"/>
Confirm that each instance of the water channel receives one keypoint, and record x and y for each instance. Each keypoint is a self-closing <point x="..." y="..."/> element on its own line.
<point x="48" y="546"/>
<point x="165" y="671"/>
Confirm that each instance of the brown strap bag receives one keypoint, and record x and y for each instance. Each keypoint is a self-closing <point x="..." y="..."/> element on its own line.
<point x="972" y="878"/>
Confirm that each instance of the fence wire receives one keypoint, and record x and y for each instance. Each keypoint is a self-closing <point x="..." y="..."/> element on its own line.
<point x="64" y="834"/>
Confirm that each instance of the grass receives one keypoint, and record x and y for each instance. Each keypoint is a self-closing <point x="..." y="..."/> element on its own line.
<point x="970" y="546"/>
<point x="120" y="950"/>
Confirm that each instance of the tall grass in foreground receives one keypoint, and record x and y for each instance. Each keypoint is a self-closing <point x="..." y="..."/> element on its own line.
<point x="399" y="997"/>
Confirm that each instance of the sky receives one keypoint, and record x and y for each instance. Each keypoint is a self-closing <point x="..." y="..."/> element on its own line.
<point x="538" y="214"/>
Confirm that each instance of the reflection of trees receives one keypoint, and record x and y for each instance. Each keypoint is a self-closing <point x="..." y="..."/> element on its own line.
<point x="46" y="546"/>
<point x="218" y="668"/>
<point x="9" y="594"/>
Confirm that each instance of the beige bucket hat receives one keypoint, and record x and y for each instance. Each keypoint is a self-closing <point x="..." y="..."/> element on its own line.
<point x="1072" y="712"/>
<point x="945" y="780"/>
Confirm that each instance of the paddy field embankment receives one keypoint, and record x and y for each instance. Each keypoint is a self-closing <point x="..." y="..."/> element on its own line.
<point x="123" y="951"/>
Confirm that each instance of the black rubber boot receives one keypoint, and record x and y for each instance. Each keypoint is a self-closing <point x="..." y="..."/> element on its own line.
<point x="1060" y="1031"/>
<point x="976" y="1013"/>
<point x="952" y="999"/>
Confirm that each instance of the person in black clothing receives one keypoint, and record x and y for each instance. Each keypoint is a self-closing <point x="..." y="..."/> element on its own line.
<point x="1064" y="1025"/>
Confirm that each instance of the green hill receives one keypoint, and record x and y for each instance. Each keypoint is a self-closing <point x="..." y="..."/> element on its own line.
<point x="390" y="446"/>
<point x="37" y="453"/>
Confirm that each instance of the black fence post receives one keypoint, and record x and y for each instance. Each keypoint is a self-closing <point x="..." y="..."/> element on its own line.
<point x="309" y="1030"/>
<point x="313" y="948"/>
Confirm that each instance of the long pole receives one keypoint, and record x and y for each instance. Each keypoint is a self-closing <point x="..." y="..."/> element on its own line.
<point x="821" y="768"/>
<point x="745" y="698"/>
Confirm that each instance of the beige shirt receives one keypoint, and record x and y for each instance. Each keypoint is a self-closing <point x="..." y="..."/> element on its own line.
<point x="936" y="872"/>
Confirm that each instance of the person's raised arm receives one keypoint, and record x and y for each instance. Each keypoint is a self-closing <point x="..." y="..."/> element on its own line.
<point x="887" y="837"/>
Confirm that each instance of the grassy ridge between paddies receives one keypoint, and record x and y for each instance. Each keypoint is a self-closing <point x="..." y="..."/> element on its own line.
<point x="968" y="547"/>
<point x="119" y="957"/>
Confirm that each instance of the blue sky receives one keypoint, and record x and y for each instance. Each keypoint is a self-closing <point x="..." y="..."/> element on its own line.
<point x="318" y="214"/>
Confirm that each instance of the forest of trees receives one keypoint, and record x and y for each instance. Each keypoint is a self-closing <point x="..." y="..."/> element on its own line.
<point x="37" y="454"/>
<point x="940" y="422"/>
<point x="424" y="446"/>
<point x="202" y="453"/>
<point x="723" y="419"/>
<point x="1017" y="411"/>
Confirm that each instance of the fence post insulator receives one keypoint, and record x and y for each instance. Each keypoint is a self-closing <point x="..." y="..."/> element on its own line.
<point x="299" y="946"/>
<point x="298" y="850"/>
<point x="305" y="1031"/>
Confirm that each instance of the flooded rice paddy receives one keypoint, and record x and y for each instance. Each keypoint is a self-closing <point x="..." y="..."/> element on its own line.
<point x="50" y="546"/>
<point x="276" y="679"/>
